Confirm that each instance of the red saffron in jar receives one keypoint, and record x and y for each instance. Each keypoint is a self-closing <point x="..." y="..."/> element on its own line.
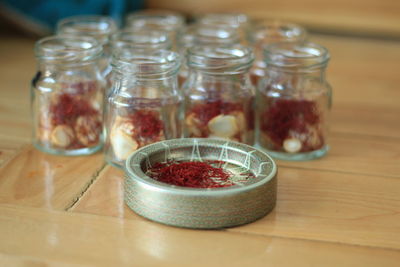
<point x="191" y="174"/>
<point x="68" y="108"/>
<point x="210" y="109"/>
<point x="285" y="115"/>
<point x="147" y="122"/>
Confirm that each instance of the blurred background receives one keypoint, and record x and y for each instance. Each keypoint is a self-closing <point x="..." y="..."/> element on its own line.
<point x="371" y="18"/>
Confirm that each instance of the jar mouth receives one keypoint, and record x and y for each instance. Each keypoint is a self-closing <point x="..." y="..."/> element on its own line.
<point x="208" y="35"/>
<point x="144" y="63"/>
<point x="233" y="20"/>
<point x="296" y="55"/>
<point x="224" y="60"/>
<point x="98" y="27"/>
<point x="67" y="48"/>
<point x="155" y="19"/>
<point x="141" y="40"/>
<point x="273" y="31"/>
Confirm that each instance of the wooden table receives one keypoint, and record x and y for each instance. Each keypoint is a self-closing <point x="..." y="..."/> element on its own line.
<point x="341" y="210"/>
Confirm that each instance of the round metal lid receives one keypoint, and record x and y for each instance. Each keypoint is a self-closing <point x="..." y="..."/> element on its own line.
<point x="208" y="208"/>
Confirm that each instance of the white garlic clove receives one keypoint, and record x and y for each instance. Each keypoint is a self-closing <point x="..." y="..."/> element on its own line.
<point x="191" y="124"/>
<point x="123" y="144"/>
<point x="223" y="126"/>
<point x="62" y="136"/>
<point x="292" y="145"/>
<point x="88" y="129"/>
<point x="240" y="120"/>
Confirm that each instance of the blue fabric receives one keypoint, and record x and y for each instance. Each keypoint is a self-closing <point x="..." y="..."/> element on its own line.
<point x="48" y="12"/>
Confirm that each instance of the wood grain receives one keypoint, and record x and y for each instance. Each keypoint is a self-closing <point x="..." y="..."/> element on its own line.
<point x="313" y="205"/>
<point x="74" y="238"/>
<point x="36" y="179"/>
<point x="367" y="17"/>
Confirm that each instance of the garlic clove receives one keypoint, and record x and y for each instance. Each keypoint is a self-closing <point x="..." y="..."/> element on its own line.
<point x="240" y="120"/>
<point x="292" y="145"/>
<point x="223" y="126"/>
<point x="87" y="129"/>
<point x="191" y="124"/>
<point x="62" y="136"/>
<point x="123" y="144"/>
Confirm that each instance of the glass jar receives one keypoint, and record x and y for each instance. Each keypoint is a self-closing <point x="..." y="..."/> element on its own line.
<point x="295" y="100"/>
<point x="237" y="21"/>
<point x="157" y="19"/>
<point x="197" y="34"/>
<point x="265" y="32"/>
<point x="97" y="27"/>
<point x="219" y="96"/>
<point x="140" y="40"/>
<point x="67" y="96"/>
<point x="144" y="103"/>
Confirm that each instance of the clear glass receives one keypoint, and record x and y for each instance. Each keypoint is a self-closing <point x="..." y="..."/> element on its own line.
<point x="97" y="27"/>
<point x="157" y="19"/>
<point x="200" y="34"/>
<point x="219" y="97"/>
<point x="67" y="96"/>
<point x="294" y="102"/>
<point x="237" y="21"/>
<point x="144" y="103"/>
<point x="140" y="39"/>
<point x="266" y="32"/>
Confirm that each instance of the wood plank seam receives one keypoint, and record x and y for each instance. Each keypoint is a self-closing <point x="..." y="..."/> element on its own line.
<point x="87" y="186"/>
<point x="19" y="150"/>
<point x="280" y="165"/>
<point x="233" y="231"/>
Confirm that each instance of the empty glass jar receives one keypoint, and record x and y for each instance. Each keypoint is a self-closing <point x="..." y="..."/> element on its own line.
<point x="295" y="100"/>
<point x="140" y="39"/>
<point x="67" y="96"/>
<point x="265" y="32"/>
<point x="219" y="96"/>
<point x="157" y="19"/>
<point x="97" y="27"/>
<point x="144" y="102"/>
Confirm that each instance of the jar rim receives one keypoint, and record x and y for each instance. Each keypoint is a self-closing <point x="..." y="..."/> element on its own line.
<point x="234" y="20"/>
<point x="141" y="39"/>
<point x="155" y="19"/>
<point x="216" y="59"/>
<point x="208" y="35"/>
<point x="68" y="48"/>
<point x="273" y="31"/>
<point x="145" y="63"/>
<point x="296" y="55"/>
<point x="96" y="26"/>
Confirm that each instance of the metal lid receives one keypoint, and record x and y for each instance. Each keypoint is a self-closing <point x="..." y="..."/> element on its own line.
<point x="196" y="207"/>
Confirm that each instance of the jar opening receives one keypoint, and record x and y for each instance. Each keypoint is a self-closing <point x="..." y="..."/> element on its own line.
<point x="234" y="20"/>
<point x="98" y="27"/>
<point x="145" y="64"/>
<point x="66" y="48"/>
<point x="296" y="55"/>
<point x="155" y="19"/>
<point x="141" y="39"/>
<point x="273" y="31"/>
<point x="208" y="35"/>
<point x="224" y="60"/>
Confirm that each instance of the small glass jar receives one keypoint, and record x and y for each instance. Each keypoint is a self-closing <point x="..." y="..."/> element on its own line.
<point x="295" y="100"/>
<point x="140" y="40"/>
<point x="197" y="34"/>
<point x="97" y="27"/>
<point x="157" y="19"/>
<point x="219" y="97"/>
<point x="144" y="103"/>
<point x="237" y="21"/>
<point x="67" y="96"/>
<point x="265" y="32"/>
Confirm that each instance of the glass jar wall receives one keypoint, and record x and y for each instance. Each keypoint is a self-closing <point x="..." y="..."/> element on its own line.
<point x="144" y="102"/>
<point x="265" y="32"/>
<point x="67" y="96"/>
<point x="295" y="100"/>
<point x="219" y="97"/>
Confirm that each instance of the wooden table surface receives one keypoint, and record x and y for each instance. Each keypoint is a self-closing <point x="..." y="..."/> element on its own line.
<point x="341" y="210"/>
